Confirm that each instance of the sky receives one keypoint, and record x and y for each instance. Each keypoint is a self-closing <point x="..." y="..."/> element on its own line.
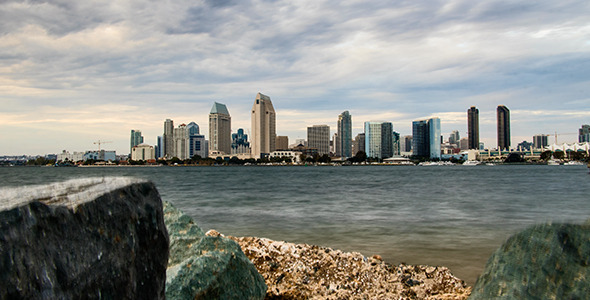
<point x="75" y="72"/>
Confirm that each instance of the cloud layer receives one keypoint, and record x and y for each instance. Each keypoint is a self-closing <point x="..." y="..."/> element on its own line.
<point x="72" y="72"/>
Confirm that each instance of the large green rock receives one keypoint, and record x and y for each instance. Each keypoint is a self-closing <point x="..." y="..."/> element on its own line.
<point x="542" y="262"/>
<point x="206" y="267"/>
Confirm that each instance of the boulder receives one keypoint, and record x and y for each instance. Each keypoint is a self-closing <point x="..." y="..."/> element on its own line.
<point x="207" y="267"/>
<point x="542" y="262"/>
<point x="83" y="238"/>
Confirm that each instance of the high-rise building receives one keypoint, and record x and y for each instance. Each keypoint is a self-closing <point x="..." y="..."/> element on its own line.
<point x="540" y="141"/>
<point x="379" y="139"/>
<point x="219" y="129"/>
<point x="318" y="137"/>
<point x="263" y="126"/>
<point x="160" y="147"/>
<point x="181" y="142"/>
<point x="454" y="137"/>
<point x="136" y="138"/>
<point x="239" y="142"/>
<point x="344" y="145"/>
<point x="464" y="144"/>
<point x="282" y="142"/>
<point x="335" y="144"/>
<point x="396" y="143"/>
<point x="358" y="144"/>
<point x="168" y="137"/>
<point x="407" y="143"/>
<point x="584" y="134"/>
<point x="503" y="117"/>
<point x="473" y="127"/>
<point x="197" y="145"/>
<point x="426" y="138"/>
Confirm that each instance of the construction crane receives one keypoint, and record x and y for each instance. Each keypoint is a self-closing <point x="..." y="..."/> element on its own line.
<point x="99" y="142"/>
<point x="556" y="134"/>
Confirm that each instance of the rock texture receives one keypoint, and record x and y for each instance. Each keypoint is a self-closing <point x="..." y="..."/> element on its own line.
<point x="85" y="238"/>
<point x="300" y="271"/>
<point x="542" y="262"/>
<point x="207" y="267"/>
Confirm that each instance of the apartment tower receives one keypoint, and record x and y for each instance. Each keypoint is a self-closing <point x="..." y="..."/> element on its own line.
<point x="426" y="138"/>
<point x="219" y="129"/>
<point x="263" y="126"/>
<point x="344" y="147"/>
<point x="168" y="139"/>
<point x="503" y="117"/>
<point x="473" y="127"/>
<point x="379" y="139"/>
<point x="318" y="137"/>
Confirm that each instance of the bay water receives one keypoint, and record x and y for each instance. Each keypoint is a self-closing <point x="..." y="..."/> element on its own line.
<point x="453" y="216"/>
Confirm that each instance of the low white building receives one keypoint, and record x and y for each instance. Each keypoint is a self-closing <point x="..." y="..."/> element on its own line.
<point x="295" y="156"/>
<point x="67" y="156"/>
<point x="143" y="152"/>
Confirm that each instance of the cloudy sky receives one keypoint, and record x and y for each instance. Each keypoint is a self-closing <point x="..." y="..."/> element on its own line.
<point x="74" y="72"/>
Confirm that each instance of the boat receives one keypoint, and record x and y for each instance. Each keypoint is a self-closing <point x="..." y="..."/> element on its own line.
<point x="471" y="163"/>
<point x="573" y="163"/>
<point x="553" y="162"/>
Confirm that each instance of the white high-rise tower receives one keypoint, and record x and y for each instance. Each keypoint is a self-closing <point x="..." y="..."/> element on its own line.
<point x="263" y="126"/>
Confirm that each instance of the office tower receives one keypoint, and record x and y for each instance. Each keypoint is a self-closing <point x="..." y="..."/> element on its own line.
<point x="396" y="143"/>
<point x="358" y="144"/>
<point x="584" y="134"/>
<point x="239" y="142"/>
<point x="181" y="142"/>
<point x="282" y="143"/>
<point x="344" y="146"/>
<point x="136" y="138"/>
<point x="407" y="143"/>
<point x="473" y="127"/>
<point x="219" y="129"/>
<point x="263" y="126"/>
<point x="318" y="137"/>
<point x="335" y="144"/>
<point x="379" y="139"/>
<point x="540" y="141"/>
<point x="464" y="144"/>
<point x="168" y="137"/>
<point x="503" y="117"/>
<point x="426" y="138"/>
<point x="454" y="137"/>
<point x="196" y="141"/>
<point x="160" y="147"/>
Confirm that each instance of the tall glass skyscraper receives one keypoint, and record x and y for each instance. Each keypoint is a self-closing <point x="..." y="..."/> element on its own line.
<point x="344" y="147"/>
<point x="379" y="139"/>
<point x="136" y="139"/>
<point x="584" y="134"/>
<point x="473" y="127"/>
<point x="239" y="142"/>
<point x="503" y="117"/>
<point x="426" y="138"/>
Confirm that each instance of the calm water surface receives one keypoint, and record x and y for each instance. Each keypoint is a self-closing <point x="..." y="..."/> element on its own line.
<point x="454" y="216"/>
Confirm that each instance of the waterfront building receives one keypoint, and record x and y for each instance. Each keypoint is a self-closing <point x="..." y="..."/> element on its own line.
<point x="219" y="129"/>
<point x="136" y="138"/>
<point x="379" y="139"/>
<point x="344" y="131"/>
<point x="358" y="144"/>
<point x="239" y="142"/>
<point x="168" y="137"/>
<point x="407" y="143"/>
<point x="263" y="126"/>
<point x="503" y="125"/>
<point x="181" y="142"/>
<point x="540" y="141"/>
<point x="473" y="127"/>
<point x="197" y="145"/>
<point x="143" y="152"/>
<point x="318" y="137"/>
<point x="396" y="143"/>
<point x="72" y="157"/>
<point x="102" y="155"/>
<point x="584" y="134"/>
<point x="282" y="142"/>
<point x="295" y="156"/>
<point x="426" y="139"/>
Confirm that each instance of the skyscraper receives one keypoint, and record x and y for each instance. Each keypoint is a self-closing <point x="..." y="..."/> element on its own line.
<point x="358" y="144"/>
<point x="168" y="138"/>
<point x="379" y="139"/>
<point x="181" y="142"/>
<point x="197" y="143"/>
<point x="454" y="137"/>
<point x="584" y="134"/>
<point x="239" y="142"/>
<point x="136" y="138"/>
<point x="344" y="147"/>
<point x="426" y="138"/>
<point x="503" y="117"/>
<point x="540" y="141"/>
<point x="318" y="137"/>
<point x="282" y="142"/>
<point x="219" y="129"/>
<point x="263" y="126"/>
<point x="473" y="127"/>
<point x="407" y="143"/>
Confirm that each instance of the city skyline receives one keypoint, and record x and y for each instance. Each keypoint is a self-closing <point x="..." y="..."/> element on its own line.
<point x="75" y="73"/>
